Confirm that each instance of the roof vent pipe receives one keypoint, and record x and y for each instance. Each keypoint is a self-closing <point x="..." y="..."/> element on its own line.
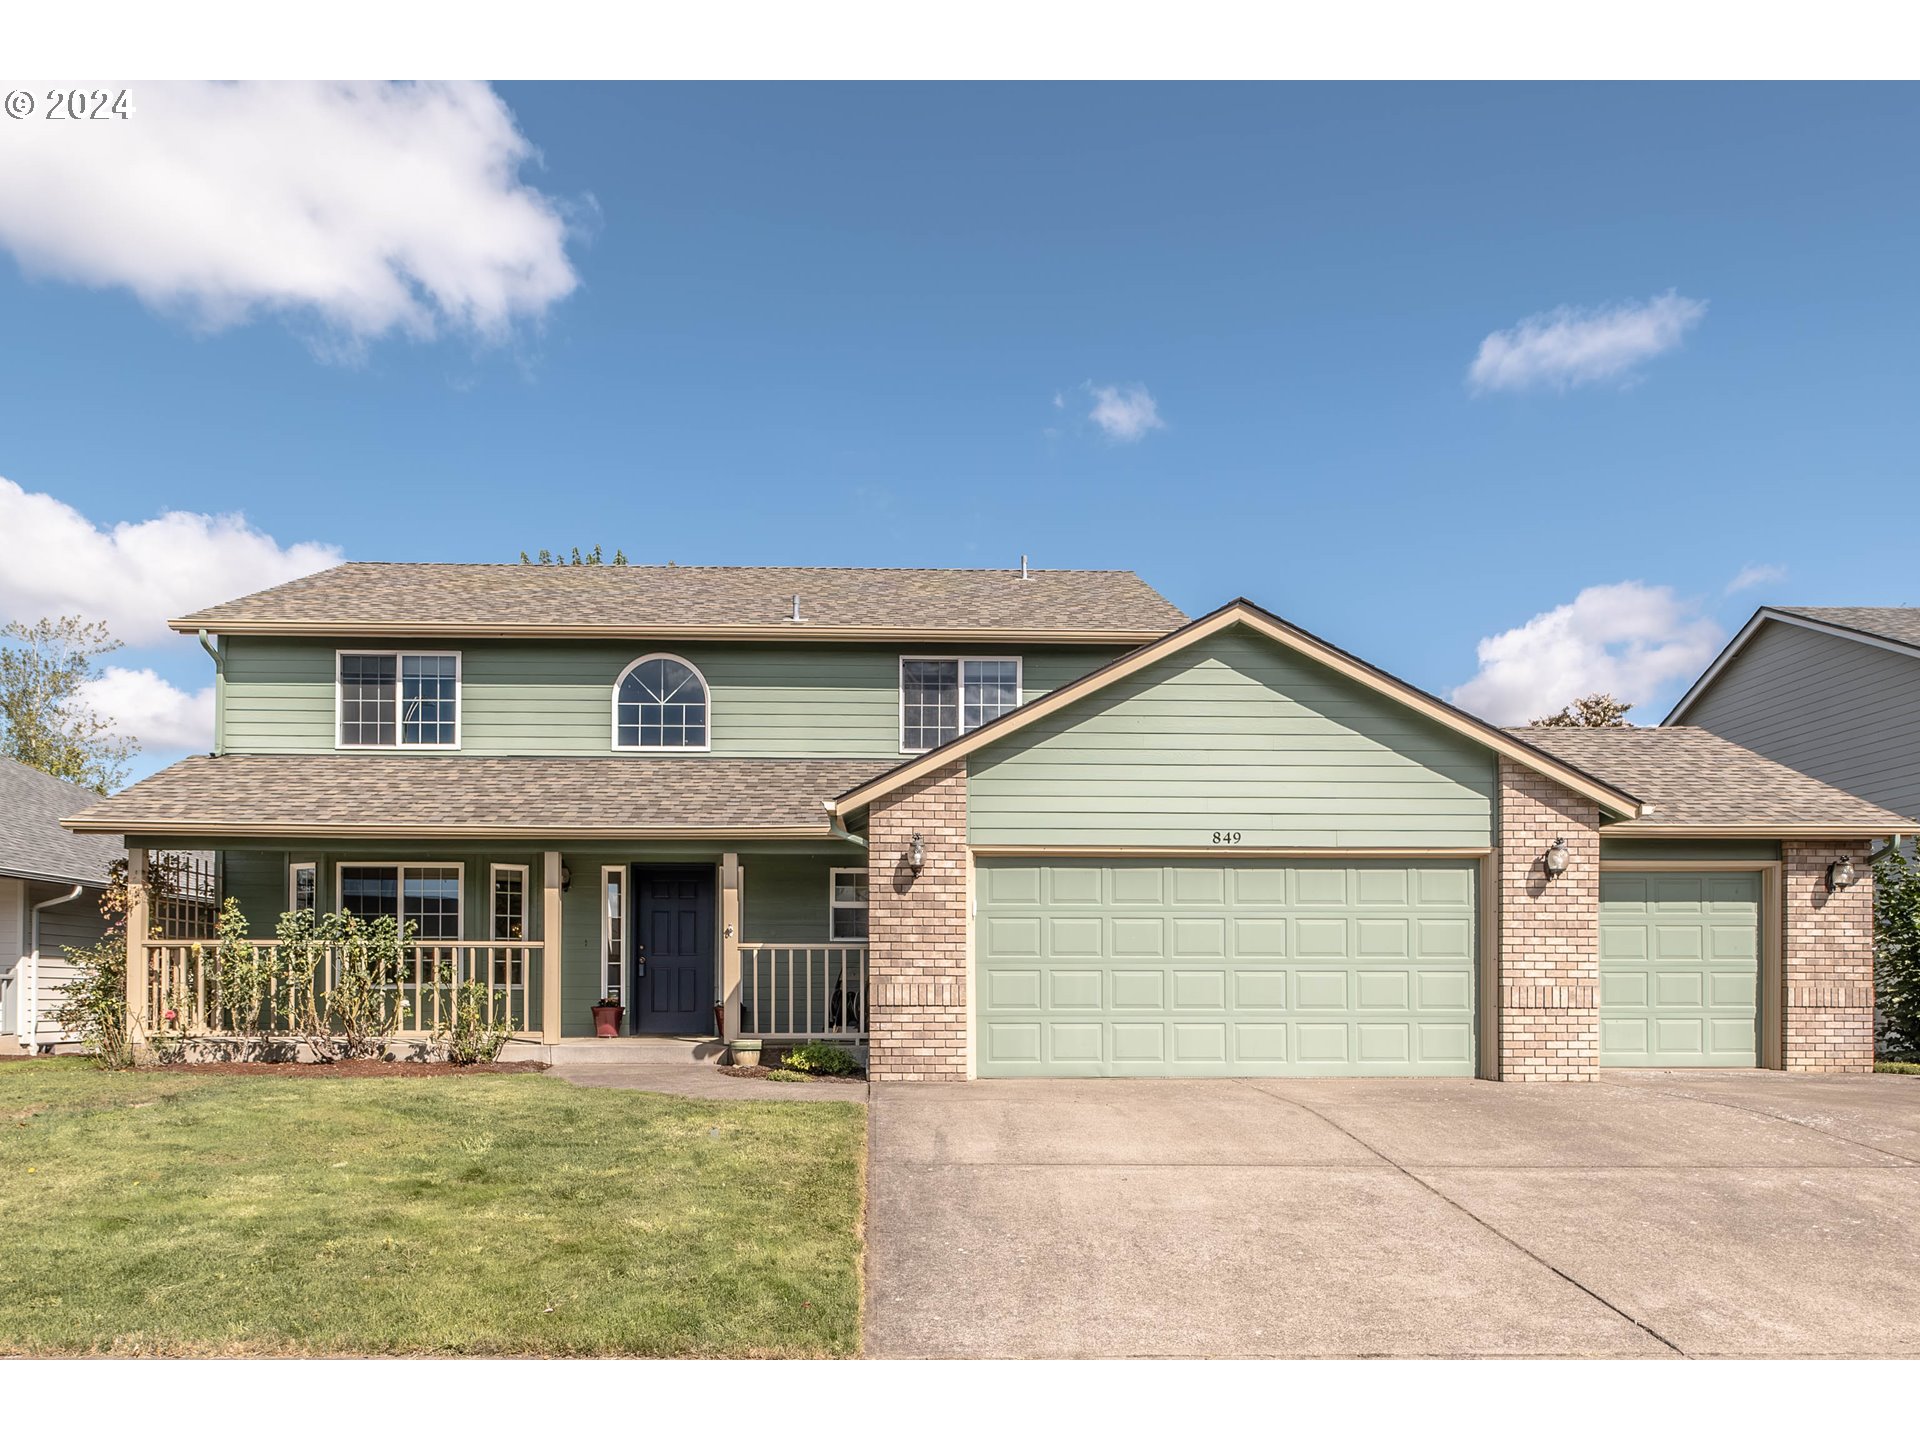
<point x="795" y="616"/>
<point x="1023" y="569"/>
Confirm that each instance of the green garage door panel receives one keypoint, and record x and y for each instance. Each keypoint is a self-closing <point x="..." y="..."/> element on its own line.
<point x="1136" y="967"/>
<point x="1679" y="968"/>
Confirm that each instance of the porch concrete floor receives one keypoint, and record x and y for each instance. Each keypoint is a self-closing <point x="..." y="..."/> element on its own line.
<point x="1650" y="1214"/>
<point x="706" y="1082"/>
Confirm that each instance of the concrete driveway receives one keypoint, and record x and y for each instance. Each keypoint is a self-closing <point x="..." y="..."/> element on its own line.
<point x="1652" y="1214"/>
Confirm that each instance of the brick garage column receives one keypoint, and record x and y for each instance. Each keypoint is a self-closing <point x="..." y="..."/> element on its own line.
<point x="1827" y="959"/>
<point x="1549" y="991"/>
<point x="917" y="931"/>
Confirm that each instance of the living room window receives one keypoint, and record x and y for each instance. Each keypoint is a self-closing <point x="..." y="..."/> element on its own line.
<point x="941" y="697"/>
<point x="660" y="703"/>
<point x="847" y="905"/>
<point x="397" y="700"/>
<point x="427" y="895"/>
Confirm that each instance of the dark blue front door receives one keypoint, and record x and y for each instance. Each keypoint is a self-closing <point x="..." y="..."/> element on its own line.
<point x="673" y="950"/>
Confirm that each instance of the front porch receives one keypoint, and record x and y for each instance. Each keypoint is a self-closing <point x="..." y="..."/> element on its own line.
<point x="766" y="941"/>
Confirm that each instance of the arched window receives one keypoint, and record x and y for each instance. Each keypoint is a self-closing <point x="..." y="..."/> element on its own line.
<point x="660" y="703"/>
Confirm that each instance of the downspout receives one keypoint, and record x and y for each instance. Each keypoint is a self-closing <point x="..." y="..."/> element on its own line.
<point x="33" y="963"/>
<point x="838" y="829"/>
<point x="219" y="694"/>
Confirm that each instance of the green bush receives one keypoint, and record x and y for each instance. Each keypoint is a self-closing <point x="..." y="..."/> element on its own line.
<point x="474" y="1033"/>
<point x="820" y="1058"/>
<point x="1896" y="955"/>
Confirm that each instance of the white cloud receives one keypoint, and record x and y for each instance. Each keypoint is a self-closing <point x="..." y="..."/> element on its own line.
<point x="1124" y="412"/>
<point x="367" y="207"/>
<point x="143" y="706"/>
<point x="1629" y="639"/>
<point x="1562" y="348"/>
<point x="135" y="576"/>
<point x="1751" y="575"/>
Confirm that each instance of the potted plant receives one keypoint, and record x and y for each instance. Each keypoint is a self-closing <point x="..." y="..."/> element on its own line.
<point x="607" y="1011"/>
<point x="746" y="1050"/>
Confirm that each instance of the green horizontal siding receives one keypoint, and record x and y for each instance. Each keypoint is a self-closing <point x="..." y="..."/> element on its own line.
<point x="1235" y="733"/>
<point x="1657" y="851"/>
<point x="555" y="697"/>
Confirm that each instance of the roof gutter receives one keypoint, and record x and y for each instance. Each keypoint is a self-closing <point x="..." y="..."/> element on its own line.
<point x="786" y="630"/>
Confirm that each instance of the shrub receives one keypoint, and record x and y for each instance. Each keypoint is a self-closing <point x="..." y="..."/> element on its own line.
<point x="95" y="1004"/>
<point x="365" y="1006"/>
<point x="1896" y="954"/>
<point x="474" y="1034"/>
<point x="820" y="1058"/>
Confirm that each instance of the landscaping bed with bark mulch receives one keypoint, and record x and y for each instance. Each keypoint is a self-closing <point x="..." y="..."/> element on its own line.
<point x="768" y="1072"/>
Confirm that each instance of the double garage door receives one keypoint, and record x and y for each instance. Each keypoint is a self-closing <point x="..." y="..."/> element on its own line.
<point x="1141" y="967"/>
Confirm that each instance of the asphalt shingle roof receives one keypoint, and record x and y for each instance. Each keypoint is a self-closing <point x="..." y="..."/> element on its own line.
<point x="1689" y="776"/>
<point x="306" y="794"/>
<point x="426" y="599"/>
<point x="1899" y="623"/>
<point x="33" y="845"/>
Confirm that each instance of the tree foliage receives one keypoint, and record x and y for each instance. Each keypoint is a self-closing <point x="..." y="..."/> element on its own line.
<point x="1896" y="954"/>
<point x="1598" y="711"/>
<point x="44" y="721"/>
<point x="578" y="557"/>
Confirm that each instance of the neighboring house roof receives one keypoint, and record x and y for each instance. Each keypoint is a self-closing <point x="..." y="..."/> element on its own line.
<point x="1245" y="612"/>
<point x="453" y="796"/>
<point x="1695" y="782"/>
<point x="1888" y="627"/>
<point x="700" y="600"/>
<point x="33" y="846"/>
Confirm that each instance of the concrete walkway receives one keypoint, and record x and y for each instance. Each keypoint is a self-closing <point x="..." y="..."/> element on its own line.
<point x="1651" y="1214"/>
<point x="704" y="1082"/>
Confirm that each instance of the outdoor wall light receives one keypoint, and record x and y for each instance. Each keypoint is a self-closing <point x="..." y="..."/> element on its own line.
<point x="916" y="853"/>
<point x="1555" y="860"/>
<point x="566" y="879"/>
<point x="1840" y="874"/>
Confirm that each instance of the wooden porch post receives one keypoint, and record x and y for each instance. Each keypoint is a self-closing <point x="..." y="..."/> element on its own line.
<point x="730" y="947"/>
<point x="551" y="954"/>
<point x="139" y="923"/>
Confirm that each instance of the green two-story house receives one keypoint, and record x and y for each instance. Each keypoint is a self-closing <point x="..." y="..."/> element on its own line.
<point x="996" y="822"/>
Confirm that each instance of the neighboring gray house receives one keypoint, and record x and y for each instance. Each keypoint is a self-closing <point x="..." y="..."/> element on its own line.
<point x="1832" y="691"/>
<point x="50" y="886"/>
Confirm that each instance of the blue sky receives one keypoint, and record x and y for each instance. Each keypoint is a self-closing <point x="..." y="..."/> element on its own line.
<point x="870" y="326"/>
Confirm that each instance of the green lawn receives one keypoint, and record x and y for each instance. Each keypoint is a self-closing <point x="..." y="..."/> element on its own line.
<point x="160" y="1212"/>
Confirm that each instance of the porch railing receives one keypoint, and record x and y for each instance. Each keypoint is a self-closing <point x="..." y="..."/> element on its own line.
<point x="181" y="975"/>
<point x="803" y="992"/>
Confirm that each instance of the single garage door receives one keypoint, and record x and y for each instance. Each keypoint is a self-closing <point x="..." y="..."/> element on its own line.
<point x="1135" y="967"/>
<point x="1679" y="968"/>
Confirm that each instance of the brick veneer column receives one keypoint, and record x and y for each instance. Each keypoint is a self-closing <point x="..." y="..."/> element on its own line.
<point x="1549" y="993"/>
<point x="1827" y="958"/>
<point x="917" y="931"/>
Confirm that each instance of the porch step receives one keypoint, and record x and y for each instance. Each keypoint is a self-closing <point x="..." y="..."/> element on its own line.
<point x="582" y="1052"/>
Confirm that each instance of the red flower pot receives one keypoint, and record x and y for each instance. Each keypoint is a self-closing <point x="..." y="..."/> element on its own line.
<point x="606" y="1020"/>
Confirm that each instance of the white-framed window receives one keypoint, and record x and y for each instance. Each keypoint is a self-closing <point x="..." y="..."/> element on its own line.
<point x="428" y="895"/>
<point x="942" y="697"/>
<point x="507" y="887"/>
<point x="303" y="885"/>
<point x="847" y="904"/>
<point x="396" y="700"/>
<point x="660" y="702"/>
<point x="613" y="929"/>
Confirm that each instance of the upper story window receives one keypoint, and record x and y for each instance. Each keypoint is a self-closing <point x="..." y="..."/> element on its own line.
<point x="660" y="703"/>
<point x="943" y="698"/>
<point x="393" y="699"/>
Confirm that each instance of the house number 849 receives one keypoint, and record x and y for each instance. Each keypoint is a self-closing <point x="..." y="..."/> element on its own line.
<point x="1226" y="837"/>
